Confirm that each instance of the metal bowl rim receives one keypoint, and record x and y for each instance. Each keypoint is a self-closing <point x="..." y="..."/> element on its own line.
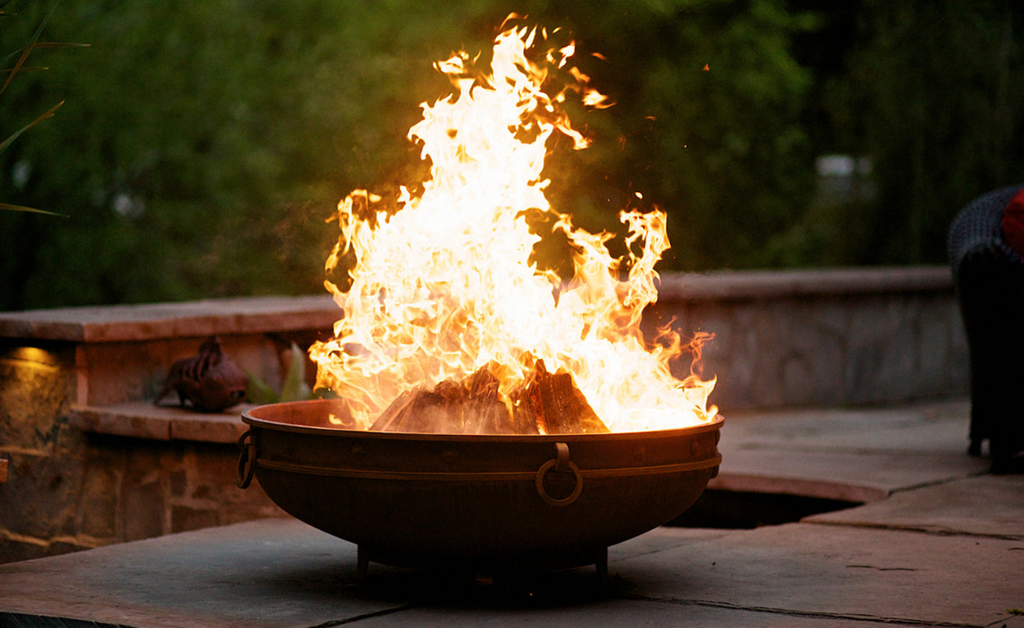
<point x="712" y="425"/>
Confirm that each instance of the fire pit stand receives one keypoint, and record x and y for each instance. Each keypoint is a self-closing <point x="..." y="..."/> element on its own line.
<point x="481" y="502"/>
<point x="598" y="558"/>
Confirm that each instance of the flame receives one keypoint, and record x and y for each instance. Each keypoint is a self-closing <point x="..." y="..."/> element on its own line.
<point x="444" y="285"/>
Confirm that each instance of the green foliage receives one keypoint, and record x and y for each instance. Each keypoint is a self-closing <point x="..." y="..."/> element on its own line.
<point x="722" y="148"/>
<point x="22" y="55"/>
<point x="258" y="391"/>
<point x="203" y="147"/>
<point x="206" y="146"/>
<point x="933" y="93"/>
<point x="294" y="387"/>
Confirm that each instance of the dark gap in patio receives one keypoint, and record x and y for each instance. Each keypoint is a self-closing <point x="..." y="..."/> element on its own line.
<point x="744" y="510"/>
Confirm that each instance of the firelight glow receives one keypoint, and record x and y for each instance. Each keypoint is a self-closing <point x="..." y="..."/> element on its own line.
<point x="444" y="286"/>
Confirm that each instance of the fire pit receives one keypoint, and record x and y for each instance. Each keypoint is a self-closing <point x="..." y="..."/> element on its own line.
<point x="490" y="412"/>
<point x="477" y="501"/>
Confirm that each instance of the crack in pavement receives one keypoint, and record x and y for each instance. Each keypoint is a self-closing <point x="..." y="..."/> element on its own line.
<point x="919" y="529"/>
<point x="798" y="613"/>
<point x="352" y="620"/>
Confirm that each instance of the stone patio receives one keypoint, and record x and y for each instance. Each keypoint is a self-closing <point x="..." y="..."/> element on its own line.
<point x="939" y="543"/>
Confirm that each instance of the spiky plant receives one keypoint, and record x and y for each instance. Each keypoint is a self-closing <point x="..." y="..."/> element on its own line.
<point x="22" y="55"/>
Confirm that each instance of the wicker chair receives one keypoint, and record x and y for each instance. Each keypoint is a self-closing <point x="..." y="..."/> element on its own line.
<point x="989" y="280"/>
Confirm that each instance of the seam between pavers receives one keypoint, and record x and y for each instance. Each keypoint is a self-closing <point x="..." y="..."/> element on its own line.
<point x="804" y="487"/>
<point x="621" y="559"/>
<point x="352" y="620"/>
<point x="918" y="529"/>
<point x="82" y="541"/>
<point x="75" y="623"/>
<point x="796" y="613"/>
<point x="1013" y="621"/>
<point x="940" y="481"/>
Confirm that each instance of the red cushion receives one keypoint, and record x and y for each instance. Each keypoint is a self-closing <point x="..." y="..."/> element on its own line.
<point x="1013" y="223"/>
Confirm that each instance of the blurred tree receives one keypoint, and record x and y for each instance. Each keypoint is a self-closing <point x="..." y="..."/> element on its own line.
<point x="205" y="146"/>
<point x="707" y="122"/>
<point x="933" y="93"/>
<point x="201" y="148"/>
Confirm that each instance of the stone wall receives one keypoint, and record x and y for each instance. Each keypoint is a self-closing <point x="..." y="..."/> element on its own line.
<point x="91" y="462"/>
<point x="69" y="490"/>
<point x="797" y="338"/>
<point x="66" y="377"/>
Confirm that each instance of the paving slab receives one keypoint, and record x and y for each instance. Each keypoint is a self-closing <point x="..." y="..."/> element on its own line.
<point x="611" y="613"/>
<point x="931" y="426"/>
<point x="855" y="477"/>
<point x="989" y="505"/>
<point x="860" y="455"/>
<point x="943" y="545"/>
<point x="280" y="573"/>
<point x="274" y="573"/>
<point x="840" y="572"/>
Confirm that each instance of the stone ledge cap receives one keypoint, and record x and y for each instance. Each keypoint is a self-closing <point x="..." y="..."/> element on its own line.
<point x="727" y="285"/>
<point x="119" y="323"/>
<point x="142" y="419"/>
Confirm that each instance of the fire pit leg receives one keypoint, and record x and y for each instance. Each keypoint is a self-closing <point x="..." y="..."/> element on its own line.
<point x="602" y="567"/>
<point x="362" y="563"/>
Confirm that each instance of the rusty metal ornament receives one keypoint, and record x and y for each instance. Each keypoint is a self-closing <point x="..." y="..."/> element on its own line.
<point x="209" y="381"/>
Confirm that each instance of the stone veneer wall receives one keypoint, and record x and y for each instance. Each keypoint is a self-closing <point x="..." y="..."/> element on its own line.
<point x="837" y="337"/>
<point x="80" y="476"/>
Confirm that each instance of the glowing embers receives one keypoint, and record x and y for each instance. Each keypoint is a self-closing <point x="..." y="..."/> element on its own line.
<point x="543" y="403"/>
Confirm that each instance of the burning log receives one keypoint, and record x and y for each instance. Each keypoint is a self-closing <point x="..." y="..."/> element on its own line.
<point x="548" y="403"/>
<point x="554" y="403"/>
<point x="485" y="410"/>
<point x="472" y="406"/>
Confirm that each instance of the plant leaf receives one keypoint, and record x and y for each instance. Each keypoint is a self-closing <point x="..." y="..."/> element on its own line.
<point x="26" y="69"/>
<point x="42" y="44"/>
<point x="258" y="391"/>
<point x="7" y="142"/>
<point x="59" y="44"/>
<point x="19" y="208"/>
<point x="295" y="387"/>
<point x="10" y="56"/>
<point x="29" y="47"/>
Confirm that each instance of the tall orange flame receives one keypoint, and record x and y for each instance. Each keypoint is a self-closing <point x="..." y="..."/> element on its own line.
<point x="445" y="285"/>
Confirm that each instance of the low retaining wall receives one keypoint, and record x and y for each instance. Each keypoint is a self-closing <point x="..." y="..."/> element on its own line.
<point x="92" y="461"/>
<point x="836" y="337"/>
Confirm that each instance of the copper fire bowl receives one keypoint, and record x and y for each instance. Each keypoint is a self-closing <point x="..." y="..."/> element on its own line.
<point x="430" y="499"/>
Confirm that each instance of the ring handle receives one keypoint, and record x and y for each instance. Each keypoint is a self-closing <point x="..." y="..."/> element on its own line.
<point x="246" y="461"/>
<point x="560" y="463"/>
